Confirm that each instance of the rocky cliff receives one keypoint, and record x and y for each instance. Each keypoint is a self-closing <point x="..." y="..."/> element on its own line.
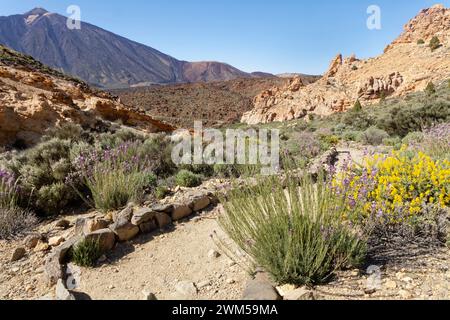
<point x="34" y="98"/>
<point x="407" y="65"/>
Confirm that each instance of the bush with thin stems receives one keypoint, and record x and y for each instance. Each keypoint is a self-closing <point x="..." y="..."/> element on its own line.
<point x="13" y="220"/>
<point x="293" y="228"/>
<point x="8" y="189"/>
<point x="115" y="177"/>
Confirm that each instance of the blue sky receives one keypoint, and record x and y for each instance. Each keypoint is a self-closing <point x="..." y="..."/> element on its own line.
<point x="253" y="35"/>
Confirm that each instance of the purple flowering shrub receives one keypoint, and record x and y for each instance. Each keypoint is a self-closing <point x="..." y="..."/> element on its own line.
<point x="13" y="220"/>
<point x="436" y="141"/>
<point x="354" y="185"/>
<point x="114" y="176"/>
<point x="54" y="174"/>
<point x="302" y="147"/>
<point x="8" y="189"/>
<point x="42" y="171"/>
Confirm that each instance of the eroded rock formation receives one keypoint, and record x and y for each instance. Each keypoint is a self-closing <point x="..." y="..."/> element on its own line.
<point x="406" y="66"/>
<point x="34" y="99"/>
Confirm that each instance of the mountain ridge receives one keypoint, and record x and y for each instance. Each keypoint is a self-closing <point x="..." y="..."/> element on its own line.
<point x="102" y="58"/>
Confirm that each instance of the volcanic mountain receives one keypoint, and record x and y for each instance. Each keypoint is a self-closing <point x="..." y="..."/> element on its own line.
<point x="101" y="58"/>
<point x="407" y="65"/>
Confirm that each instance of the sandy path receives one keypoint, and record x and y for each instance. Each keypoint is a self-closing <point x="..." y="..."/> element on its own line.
<point x="158" y="262"/>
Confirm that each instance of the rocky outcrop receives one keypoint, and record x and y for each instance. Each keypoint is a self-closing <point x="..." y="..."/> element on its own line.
<point x="34" y="98"/>
<point x="429" y="23"/>
<point x="336" y="63"/>
<point x="375" y="88"/>
<point x="406" y="66"/>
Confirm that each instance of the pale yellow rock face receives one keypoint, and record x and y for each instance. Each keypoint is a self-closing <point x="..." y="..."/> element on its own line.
<point x="404" y="67"/>
<point x="32" y="102"/>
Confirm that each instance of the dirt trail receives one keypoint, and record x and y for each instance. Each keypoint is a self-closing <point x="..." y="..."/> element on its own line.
<point x="158" y="262"/>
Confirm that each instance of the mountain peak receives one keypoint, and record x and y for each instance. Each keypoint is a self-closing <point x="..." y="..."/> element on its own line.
<point x="434" y="21"/>
<point x="438" y="6"/>
<point x="45" y="36"/>
<point x="36" y="11"/>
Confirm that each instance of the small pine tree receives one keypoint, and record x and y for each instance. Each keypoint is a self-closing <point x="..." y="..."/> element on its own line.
<point x="358" y="106"/>
<point x="382" y="97"/>
<point x="435" y="43"/>
<point x="430" y="89"/>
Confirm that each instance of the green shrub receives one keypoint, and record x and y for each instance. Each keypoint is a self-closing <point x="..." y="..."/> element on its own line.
<point x="420" y="41"/>
<point x="331" y="140"/>
<point x="357" y="107"/>
<point x="430" y="89"/>
<point x="226" y="171"/>
<point x="351" y="135"/>
<point x="395" y="142"/>
<point x="112" y="140"/>
<point x="78" y="148"/>
<point x="413" y="138"/>
<point x="86" y="253"/>
<point x="358" y="120"/>
<point x="151" y="180"/>
<point x="54" y="197"/>
<point x="42" y="171"/>
<point x="68" y="131"/>
<point x="294" y="233"/>
<point x="14" y="221"/>
<point x="339" y="128"/>
<point x="401" y="120"/>
<point x="435" y="43"/>
<point x="158" y="149"/>
<point x="185" y="178"/>
<point x="205" y="170"/>
<point x="161" y="192"/>
<point x="114" y="189"/>
<point x="373" y="136"/>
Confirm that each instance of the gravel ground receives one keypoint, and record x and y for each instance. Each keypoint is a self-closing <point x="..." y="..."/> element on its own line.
<point x="168" y="261"/>
<point x="185" y="263"/>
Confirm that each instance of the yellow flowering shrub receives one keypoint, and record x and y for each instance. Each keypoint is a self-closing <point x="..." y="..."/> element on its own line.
<point x="396" y="186"/>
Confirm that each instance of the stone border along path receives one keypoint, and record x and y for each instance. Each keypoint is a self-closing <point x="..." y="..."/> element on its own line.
<point x="121" y="226"/>
<point x="164" y="263"/>
<point x="125" y="225"/>
<point x="183" y="258"/>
